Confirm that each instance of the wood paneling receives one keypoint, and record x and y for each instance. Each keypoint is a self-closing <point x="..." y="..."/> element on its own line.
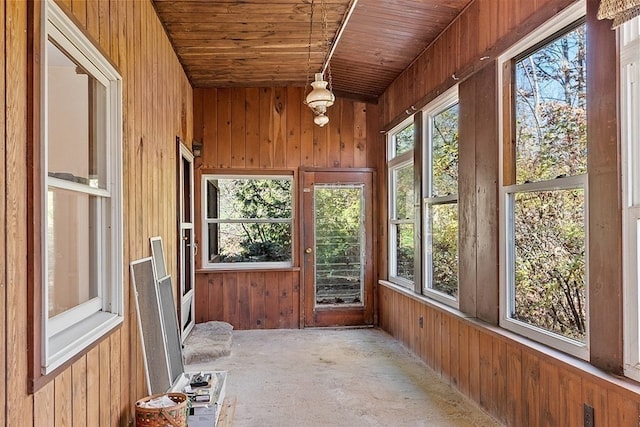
<point x="257" y="43"/>
<point x="478" y="195"/>
<point x="482" y="31"/>
<point x="605" y="189"/>
<point x="510" y="377"/>
<point x="17" y="400"/>
<point x="249" y="43"/>
<point x="514" y="381"/>
<point x="249" y="300"/>
<point x="3" y="212"/>
<point x="479" y="35"/>
<point x="99" y="386"/>
<point x="268" y="128"/>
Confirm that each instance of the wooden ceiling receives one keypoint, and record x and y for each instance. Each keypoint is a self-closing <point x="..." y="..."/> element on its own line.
<point x="223" y="43"/>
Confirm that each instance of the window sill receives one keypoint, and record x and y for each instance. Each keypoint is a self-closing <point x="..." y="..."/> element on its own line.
<point x="72" y="341"/>
<point x="246" y="269"/>
<point x="424" y="299"/>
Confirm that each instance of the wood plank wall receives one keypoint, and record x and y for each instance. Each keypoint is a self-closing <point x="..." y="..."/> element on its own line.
<point x="100" y="387"/>
<point x="479" y="34"/>
<point x="268" y="128"/>
<point x="520" y="382"/>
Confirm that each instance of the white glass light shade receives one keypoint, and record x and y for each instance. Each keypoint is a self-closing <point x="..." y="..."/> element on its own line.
<point x="320" y="97"/>
<point x="321" y="120"/>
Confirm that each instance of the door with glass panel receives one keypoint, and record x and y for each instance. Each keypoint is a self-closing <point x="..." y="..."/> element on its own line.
<point x="186" y="244"/>
<point x="337" y="248"/>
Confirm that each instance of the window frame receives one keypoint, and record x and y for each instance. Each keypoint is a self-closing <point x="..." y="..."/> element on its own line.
<point x="267" y="265"/>
<point x="394" y="164"/>
<point x="443" y="102"/>
<point x="629" y="36"/>
<point x="558" y="24"/>
<point x="59" y="340"/>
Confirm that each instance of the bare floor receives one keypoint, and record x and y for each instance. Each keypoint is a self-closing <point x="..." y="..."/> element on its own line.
<point x="343" y="377"/>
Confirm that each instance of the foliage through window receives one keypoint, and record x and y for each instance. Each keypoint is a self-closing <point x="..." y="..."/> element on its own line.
<point x="401" y="205"/>
<point x="339" y="236"/>
<point x="546" y="193"/>
<point x="248" y="220"/>
<point x="441" y="202"/>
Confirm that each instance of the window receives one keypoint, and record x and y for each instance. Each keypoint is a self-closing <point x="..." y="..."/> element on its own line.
<point x="248" y="221"/>
<point x="401" y="204"/>
<point x="544" y="191"/>
<point x="81" y="148"/>
<point x="630" y="111"/>
<point x="441" y="198"/>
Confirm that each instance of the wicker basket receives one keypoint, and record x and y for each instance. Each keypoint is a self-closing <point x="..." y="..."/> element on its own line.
<point x="174" y="416"/>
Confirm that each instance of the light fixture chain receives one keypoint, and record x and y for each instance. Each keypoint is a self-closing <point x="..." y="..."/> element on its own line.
<point x="309" y="50"/>
<point x="325" y="30"/>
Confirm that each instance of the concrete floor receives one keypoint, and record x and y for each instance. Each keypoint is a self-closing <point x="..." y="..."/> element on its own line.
<point x="343" y="377"/>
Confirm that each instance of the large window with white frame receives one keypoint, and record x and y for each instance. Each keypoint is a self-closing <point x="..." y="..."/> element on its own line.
<point x="82" y="215"/>
<point x="441" y="198"/>
<point x="247" y="221"/>
<point x="629" y="36"/>
<point x="544" y="186"/>
<point x="400" y="149"/>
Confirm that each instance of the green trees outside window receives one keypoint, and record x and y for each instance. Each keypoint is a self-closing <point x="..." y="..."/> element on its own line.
<point x="442" y="198"/>
<point x="248" y="220"/>
<point x="401" y="205"/>
<point x="547" y="200"/>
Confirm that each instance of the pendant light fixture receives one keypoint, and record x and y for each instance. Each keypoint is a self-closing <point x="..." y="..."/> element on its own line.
<point x="320" y="97"/>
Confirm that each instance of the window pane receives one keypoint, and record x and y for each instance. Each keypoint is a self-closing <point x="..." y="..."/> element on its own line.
<point x="444" y="248"/>
<point x="76" y="128"/>
<point x="212" y="199"/>
<point x="72" y="252"/>
<point x="253" y="198"/>
<point x="444" y="141"/>
<point x="249" y="242"/>
<point x="339" y="226"/>
<point x="404" y="192"/>
<point x="550" y="110"/>
<point x="550" y="261"/>
<point x="403" y="141"/>
<point x="404" y="251"/>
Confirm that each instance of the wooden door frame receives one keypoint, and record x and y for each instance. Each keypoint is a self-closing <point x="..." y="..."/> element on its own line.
<point x="369" y="305"/>
<point x="185" y="153"/>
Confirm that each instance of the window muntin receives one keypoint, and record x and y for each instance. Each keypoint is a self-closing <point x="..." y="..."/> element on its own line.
<point x="441" y="199"/>
<point x="630" y="127"/>
<point x="544" y="187"/>
<point x="248" y="221"/>
<point x="82" y="217"/>
<point x="400" y="167"/>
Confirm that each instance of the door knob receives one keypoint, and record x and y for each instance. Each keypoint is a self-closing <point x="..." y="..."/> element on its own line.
<point x="308" y="251"/>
